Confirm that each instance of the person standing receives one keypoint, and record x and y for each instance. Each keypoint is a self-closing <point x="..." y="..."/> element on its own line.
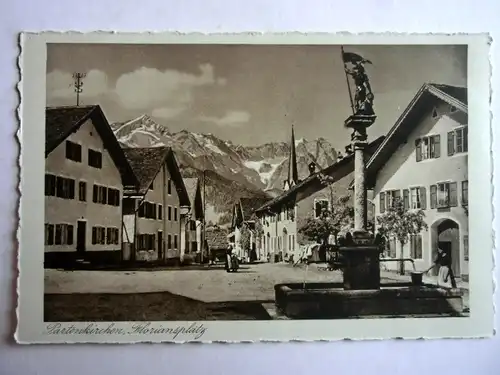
<point x="445" y="272"/>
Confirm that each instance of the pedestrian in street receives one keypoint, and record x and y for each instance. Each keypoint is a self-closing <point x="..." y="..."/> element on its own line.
<point x="445" y="272"/>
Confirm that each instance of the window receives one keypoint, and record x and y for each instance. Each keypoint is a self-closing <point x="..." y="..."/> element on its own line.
<point x="82" y="191"/>
<point x="416" y="246"/>
<point x="169" y="213"/>
<point x="320" y="207"/>
<point x="465" y="193"/>
<point x="466" y="247"/>
<point x="146" y="241"/>
<point x="50" y="185"/>
<point x="169" y="187"/>
<point x="147" y="210"/>
<point x="65" y="188"/>
<point x="175" y="241"/>
<point x="406" y="199"/>
<point x="428" y="147"/>
<point x="160" y="212"/>
<point x="113" y="197"/>
<point x="192" y="225"/>
<point x="434" y="112"/>
<point x="443" y="195"/>
<point x="73" y="151"/>
<point x="98" y="235"/>
<point x="169" y="242"/>
<point x="458" y="141"/>
<point x="194" y="246"/>
<point x="100" y="194"/>
<point x="112" y="236"/>
<point x="175" y="213"/>
<point x="453" y="109"/>
<point x="417" y="198"/>
<point x="63" y="234"/>
<point x="95" y="159"/>
<point x="391" y="196"/>
<point x="382" y="202"/>
<point x="49" y="234"/>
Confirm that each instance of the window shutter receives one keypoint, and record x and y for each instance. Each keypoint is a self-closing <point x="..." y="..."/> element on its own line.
<point x="94" y="235"/>
<point x="406" y="199"/>
<point x="453" y="194"/>
<point x="437" y="146"/>
<point x="71" y="189"/>
<point x="433" y="196"/>
<point x="69" y="235"/>
<point x="418" y="149"/>
<point x="451" y="143"/>
<point x="466" y="139"/>
<point x="423" y="198"/>
<point x="382" y="202"/>
<point x="94" y="194"/>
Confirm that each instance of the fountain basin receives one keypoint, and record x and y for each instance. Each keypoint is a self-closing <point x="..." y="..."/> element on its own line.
<point x="332" y="301"/>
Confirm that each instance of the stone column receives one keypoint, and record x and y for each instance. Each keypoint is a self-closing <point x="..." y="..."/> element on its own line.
<point x="360" y="217"/>
<point x="198" y="236"/>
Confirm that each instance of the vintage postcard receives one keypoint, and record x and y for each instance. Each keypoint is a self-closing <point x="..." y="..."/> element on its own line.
<point x="254" y="187"/>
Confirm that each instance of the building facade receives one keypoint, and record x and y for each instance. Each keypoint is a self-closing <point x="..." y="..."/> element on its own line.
<point x="423" y="162"/>
<point x="194" y="224"/>
<point x="282" y="217"/>
<point x="155" y="213"/>
<point x="85" y="175"/>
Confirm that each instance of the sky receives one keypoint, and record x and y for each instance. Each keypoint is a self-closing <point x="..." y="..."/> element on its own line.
<point x="248" y="94"/>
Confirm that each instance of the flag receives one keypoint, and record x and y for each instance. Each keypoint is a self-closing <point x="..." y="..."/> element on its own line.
<point x="354" y="58"/>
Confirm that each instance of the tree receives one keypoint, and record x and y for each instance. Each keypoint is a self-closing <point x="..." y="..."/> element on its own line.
<point x="399" y="223"/>
<point x="331" y="220"/>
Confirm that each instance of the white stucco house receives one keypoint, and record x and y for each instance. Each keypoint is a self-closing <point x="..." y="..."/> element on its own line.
<point x="423" y="161"/>
<point x="85" y="175"/>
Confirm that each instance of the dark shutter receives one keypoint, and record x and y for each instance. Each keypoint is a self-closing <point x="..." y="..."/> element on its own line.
<point x="50" y="240"/>
<point x="60" y="187"/>
<point x="69" y="235"/>
<point x="419" y="246"/>
<point x="423" y="198"/>
<point x="94" y="193"/>
<point x="466" y="139"/>
<point x="108" y="236"/>
<point x="382" y="202"/>
<point x="94" y="235"/>
<point x="437" y="146"/>
<point x="433" y="196"/>
<point x="418" y="149"/>
<point x="71" y="189"/>
<point x="451" y="143"/>
<point x="406" y="199"/>
<point x="453" y="194"/>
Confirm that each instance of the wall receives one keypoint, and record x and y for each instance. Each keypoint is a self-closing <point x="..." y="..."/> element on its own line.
<point x="159" y="195"/>
<point x="403" y="171"/>
<point x="69" y="211"/>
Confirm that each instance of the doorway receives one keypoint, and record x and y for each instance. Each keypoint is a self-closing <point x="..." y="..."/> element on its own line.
<point x="448" y="238"/>
<point x="81" y="233"/>
<point x="160" y="244"/>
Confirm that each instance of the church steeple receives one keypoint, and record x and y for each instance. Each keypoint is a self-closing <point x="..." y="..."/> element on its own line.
<point x="293" y="176"/>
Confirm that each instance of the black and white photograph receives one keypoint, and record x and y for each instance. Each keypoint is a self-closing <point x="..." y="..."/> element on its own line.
<point x="288" y="182"/>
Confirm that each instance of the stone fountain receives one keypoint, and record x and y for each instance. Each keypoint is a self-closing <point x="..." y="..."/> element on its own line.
<point x="361" y="294"/>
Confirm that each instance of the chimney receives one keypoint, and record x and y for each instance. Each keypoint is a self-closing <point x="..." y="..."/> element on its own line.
<point x="312" y="167"/>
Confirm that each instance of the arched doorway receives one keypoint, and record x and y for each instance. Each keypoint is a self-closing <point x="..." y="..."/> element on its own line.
<point x="447" y="237"/>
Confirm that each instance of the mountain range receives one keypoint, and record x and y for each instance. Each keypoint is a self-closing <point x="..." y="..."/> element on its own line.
<point x="231" y="171"/>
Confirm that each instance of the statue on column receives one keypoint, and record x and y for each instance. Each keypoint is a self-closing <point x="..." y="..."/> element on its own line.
<point x="363" y="96"/>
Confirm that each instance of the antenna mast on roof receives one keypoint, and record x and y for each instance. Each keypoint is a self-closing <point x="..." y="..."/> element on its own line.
<point x="78" y="84"/>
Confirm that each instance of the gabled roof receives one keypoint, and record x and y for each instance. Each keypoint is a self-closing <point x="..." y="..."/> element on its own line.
<point x="146" y="162"/>
<point x="61" y="122"/>
<point x="424" y="101"/>
<point x="313" y="184"/>
<point x="192" y="185"/>
<point x="217" y="238"/>
<point x="244" y="208"/>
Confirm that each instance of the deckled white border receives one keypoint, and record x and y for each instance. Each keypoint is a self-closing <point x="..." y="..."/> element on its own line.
<point x="31" y="135"/>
